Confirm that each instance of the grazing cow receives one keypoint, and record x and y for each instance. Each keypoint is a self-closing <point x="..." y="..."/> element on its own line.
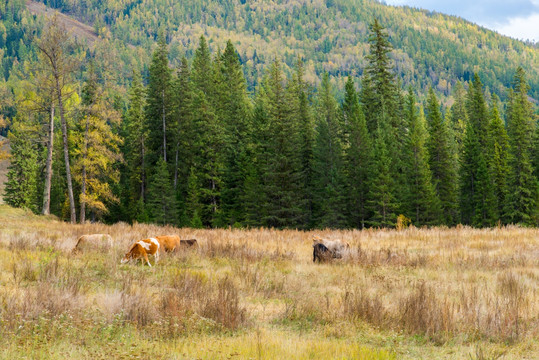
<point x="169" y="243"/>
<point x="321" y="253"/>
<point x="93" y="241"/>
<point x="337" y="248"/>
<point x="141" y="249"/>
<point x="189" y="243"/>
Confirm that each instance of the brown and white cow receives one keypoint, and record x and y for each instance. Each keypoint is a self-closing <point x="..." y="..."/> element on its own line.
<point x="168" y="243"/>
<point x="141" y="249"/>
<point x="93" y="241"/>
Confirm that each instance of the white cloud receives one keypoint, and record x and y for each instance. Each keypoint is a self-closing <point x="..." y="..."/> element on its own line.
<point x="524" y="28"/>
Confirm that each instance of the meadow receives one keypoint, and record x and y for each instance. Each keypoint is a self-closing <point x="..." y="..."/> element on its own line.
<point x="441" y="293"/>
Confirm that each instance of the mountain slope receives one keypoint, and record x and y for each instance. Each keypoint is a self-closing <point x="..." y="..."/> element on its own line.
<point x="430" y="48"/>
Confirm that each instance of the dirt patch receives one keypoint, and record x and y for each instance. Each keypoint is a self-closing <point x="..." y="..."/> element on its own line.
<point x="81" y="31"/>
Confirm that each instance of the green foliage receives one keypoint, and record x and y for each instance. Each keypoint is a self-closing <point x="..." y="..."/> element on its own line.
<point x="22" y="177"/>
<point x="161" y="200"/>
<point x="521" y="204"/>
<point x="442" y="160"/>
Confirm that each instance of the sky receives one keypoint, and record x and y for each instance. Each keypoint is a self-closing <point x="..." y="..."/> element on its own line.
<point x="516" y="18"/>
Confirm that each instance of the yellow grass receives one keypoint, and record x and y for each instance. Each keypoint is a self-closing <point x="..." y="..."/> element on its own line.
<point x="256" y="294"/>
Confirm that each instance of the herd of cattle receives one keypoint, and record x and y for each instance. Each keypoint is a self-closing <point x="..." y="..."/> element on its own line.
<point x="323" y="249"/>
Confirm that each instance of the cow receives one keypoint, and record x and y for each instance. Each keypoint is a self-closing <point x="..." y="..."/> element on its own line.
<point x="321" y="253"/>
<point x="169" y="243"/>
<point x="336" y="248"/>
<point x="93" y="241"/>
<point x="189" y="243"/>
<point x="141" y="249"/>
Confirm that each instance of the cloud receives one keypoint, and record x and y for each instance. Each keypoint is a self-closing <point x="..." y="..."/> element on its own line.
<point x="480" y="11"/>
<point x="516" y="18"/>
<point x="523" y="28"/>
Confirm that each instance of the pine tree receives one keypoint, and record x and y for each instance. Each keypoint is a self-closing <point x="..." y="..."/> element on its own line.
<point x="357" y="158"/>
<point x="202" y="69"/>
<point x="499" y="147"/>
<point x="329" y="203"/>
<point x="282" y="188"/>
<point x="442" y="160"/>
<point x="301" y="114"/>
<point x="424" y="203"/>
<point x="210" y="159"/>
<point x="194" y="208"/>
<point x="235" y="116"/>
<point x="159" y="105"/>
<point x="22" y="176"/>
<point x="458" y="115"/>
<point x="521" y="204"/>
<point x="161" y="199"/>
<point x="183" y="136"/>
<point x="478" y="200"/>
<point x="136" y="149"/>
<point x="381" y="198"/>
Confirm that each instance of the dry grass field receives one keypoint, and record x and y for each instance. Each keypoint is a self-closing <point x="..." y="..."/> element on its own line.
<point x="256" y="294"/>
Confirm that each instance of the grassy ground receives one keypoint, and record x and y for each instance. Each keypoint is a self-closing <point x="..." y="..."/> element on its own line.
<point x="419" y="293"/>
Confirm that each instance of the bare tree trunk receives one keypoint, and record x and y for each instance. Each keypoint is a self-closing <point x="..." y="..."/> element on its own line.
<point x="66" y="153"/>
<point x="143" y="175"/>
<point x="176" y="167"/>
<point x="164" y="130"/>
<point x="83" y="180"/>
<point x="48" y="166"/>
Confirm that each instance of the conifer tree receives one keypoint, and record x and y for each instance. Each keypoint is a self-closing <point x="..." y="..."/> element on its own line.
<point x="521" y="204"/>
<point x="282" y="172"/>
<point x="136" y="148"/>
<point x="499" y="148"/>
<point x="161" y="199"/>
<point x="458" y="115"/>
<point x="422" y="199"/>
<point x="202" y="69"/>
<point x="210" y="159"/>
<point x="382" y="202"/>
<point x="442" y="160"/>
<point x="193" y="206"/>
<point x="329" y="205"/>
<point x="357" y="158"/>
<point x="159" y="103"/>
<point x="22" y="176"/>
<point x="235" y="116"/>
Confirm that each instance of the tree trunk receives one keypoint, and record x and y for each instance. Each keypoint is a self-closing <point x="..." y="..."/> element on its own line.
<point x="164" y="130"/>
<point x="83" y="180"/>
<point x="48" y="166"/>
<point x="66" y="153"/>
<point x="176" y="167"/>
<point x="143" y="173"/>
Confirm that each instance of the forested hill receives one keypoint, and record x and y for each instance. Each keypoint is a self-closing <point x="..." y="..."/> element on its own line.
<point x="331" y="35"/>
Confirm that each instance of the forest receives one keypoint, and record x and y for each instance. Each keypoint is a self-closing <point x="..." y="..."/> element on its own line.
<point x="190" y="146"/>
<point x="191" y="136"/>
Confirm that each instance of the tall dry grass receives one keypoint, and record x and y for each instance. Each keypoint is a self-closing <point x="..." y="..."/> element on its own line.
<point x="446" y="285"/>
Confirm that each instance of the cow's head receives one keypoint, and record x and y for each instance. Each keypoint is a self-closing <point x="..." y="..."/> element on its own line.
<point x="130" y="255"/>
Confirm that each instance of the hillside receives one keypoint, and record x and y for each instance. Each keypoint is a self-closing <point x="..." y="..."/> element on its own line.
<point x="430" y="48"/>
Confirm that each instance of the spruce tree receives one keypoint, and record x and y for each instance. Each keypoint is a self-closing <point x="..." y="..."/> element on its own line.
<point x="424" y="205"/>
<point x="357" y="157"/>
<point x="159" y="103"/>
<point x="381" y="202"/>
<point x="235" y="116"/>
<point x="301" y="114"/>
<point x="22" y="177"/>
<point x="499" y="149"/>
<point x="458" y="115"/>
<point x="203" y="69"/>
<point x="329" y="206"/>
<point x="161" y="199"/>
<point x="282" y="173"/>
<point x="521" y="204"/>
<point x="442" y="160"/>
<point x="136" y="149"/>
